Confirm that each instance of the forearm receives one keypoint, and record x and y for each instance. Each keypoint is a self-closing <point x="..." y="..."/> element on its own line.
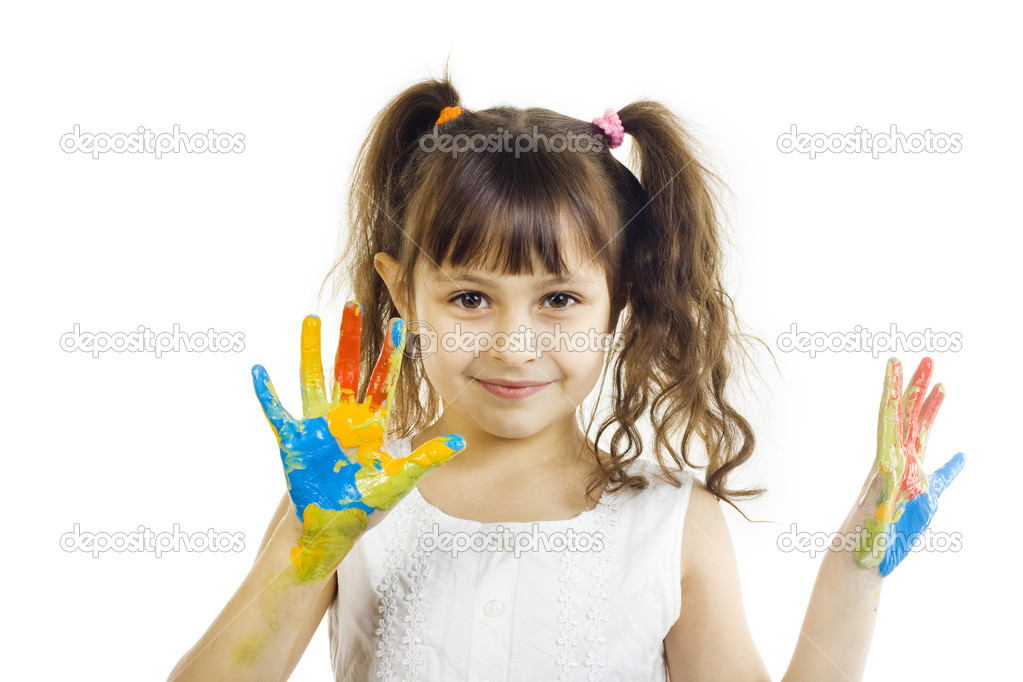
<point x="255" y="634"/>
<point x="836" y="633"/>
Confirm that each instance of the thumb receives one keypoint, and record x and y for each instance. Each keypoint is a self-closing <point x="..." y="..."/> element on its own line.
<point x="437" y="451"/>
<point x="384" y="490"/>
<point x="941" y="478"/>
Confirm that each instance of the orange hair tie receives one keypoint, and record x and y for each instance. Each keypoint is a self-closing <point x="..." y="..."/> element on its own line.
<point x="448" y="113"/>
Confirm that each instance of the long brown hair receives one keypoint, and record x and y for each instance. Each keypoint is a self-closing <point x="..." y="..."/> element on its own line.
<point x="657" y="234"/>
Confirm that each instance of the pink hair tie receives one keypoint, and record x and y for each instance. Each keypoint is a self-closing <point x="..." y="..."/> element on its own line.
<point x="612" y="127"/>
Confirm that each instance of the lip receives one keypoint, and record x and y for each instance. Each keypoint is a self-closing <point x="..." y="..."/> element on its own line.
<point x="511" y="389"/>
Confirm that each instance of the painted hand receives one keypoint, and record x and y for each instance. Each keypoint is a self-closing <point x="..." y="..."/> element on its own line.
<point x="334" y="463"/>
<point x="908" y="498"/>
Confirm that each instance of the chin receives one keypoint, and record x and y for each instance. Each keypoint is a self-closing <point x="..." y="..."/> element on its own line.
<point x="512" y="427"/>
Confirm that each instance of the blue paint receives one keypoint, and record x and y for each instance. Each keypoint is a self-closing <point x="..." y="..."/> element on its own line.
<point x="397" y="333"/>
<point x="455" y="442"/>
<point x="309" y="453"/>
<point x="917" y="515"/>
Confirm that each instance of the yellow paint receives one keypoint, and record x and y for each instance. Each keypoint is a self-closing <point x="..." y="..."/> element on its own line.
<point x="891" y="464"/>
<point x="250" y="650"/>
<point x="383" y="491"/>
<point x="359" y="429"/>
<point x="327" y="537"/>
<point x="314" y="392"/>
<point x="355" y="425"/>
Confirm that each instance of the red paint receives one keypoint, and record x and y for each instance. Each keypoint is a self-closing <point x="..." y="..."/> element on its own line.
<point x="346" y="361"/>
<point x="376" y="393"/>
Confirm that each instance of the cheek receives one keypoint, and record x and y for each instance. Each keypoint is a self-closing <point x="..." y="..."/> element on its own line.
<point x="445" y="366"/>
<point x="447" y="369"/>
<point x="583" y="346"/>
<point x="582" y="368"/>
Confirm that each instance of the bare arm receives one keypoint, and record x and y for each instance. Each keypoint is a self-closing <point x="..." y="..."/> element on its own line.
<point x="265" y="627"/>
<point x="839" y="624"/>
<point x="896" y="503"/>
<point x="282" y="507"/>
<point x="835" y="637"/>
<point x="711" y="639"/>
<point x="338" y="477"/>
<point x="320" y="604"/>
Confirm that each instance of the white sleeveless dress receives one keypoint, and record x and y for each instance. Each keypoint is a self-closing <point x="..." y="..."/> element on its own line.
<point x="427" y="596"/>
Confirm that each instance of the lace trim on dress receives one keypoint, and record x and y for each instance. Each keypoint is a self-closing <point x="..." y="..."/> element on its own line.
<point x="419" y="574"/>
<point x="388" y="590"/>
<point x="605" y="515"/>
<point x="568" y="598"/>
<point x="603" y="577"/>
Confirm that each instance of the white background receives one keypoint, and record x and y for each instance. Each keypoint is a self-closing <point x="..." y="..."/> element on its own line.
<point x="241" y="243"/>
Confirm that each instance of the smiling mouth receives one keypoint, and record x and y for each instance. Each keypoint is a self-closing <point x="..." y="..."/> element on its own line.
<point x="512" y="390"/>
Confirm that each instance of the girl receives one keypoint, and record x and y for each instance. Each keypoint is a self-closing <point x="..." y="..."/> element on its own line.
<point x="528" y="264"/>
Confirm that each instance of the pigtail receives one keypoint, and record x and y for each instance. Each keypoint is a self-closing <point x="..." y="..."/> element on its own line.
<point x="382" y="181"/>
<point x="673" y="362"/>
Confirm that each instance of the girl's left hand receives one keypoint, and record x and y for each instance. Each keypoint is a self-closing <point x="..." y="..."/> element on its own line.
<point x="898" y="497"/>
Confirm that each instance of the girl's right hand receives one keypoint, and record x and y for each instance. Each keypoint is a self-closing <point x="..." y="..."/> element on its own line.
<point x="336" y="470"/>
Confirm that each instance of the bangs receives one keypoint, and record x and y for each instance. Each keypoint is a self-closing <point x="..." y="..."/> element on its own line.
<point x="509" y="213"/>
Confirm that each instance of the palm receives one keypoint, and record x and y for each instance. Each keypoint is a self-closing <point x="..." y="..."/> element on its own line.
<point x="908" y="499"/>
<point x="334" y="460"/>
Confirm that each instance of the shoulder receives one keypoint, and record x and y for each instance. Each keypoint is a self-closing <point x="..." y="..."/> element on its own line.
<point x="703" y="504"/>
<point x="664" y="499"/>
<point x="706" y="542"/>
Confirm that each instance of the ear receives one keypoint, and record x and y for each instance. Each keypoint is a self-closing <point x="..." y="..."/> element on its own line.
<point x="389" y="271"/>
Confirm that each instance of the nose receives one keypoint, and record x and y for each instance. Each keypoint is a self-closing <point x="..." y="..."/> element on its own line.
<point x="512" y="340"/>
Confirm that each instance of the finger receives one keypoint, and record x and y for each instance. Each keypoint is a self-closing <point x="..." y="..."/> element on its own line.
<point x="889" y="426"/>
<point x="314" y="393"/>
<point x="383" y="492"/>
<point x="437" y="451"/>
<point x="346" y="361"/>
<point x="385" y="374"/>
<point x="912" y="399"/>
<point x="927" y="415"/>
<point x="889" y="416"/>
<point x="275" y="413"/>
<point x="941" y="478"/>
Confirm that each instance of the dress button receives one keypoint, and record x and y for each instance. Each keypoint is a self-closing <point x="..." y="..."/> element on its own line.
<point x="493" y="608"/>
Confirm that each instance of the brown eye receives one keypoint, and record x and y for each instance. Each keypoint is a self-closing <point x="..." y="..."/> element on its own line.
<point x="562" y="300"/>
<point x="472" y="300"/>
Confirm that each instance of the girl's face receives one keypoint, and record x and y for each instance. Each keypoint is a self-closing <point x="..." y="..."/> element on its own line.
<point x="512" y="355"/>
